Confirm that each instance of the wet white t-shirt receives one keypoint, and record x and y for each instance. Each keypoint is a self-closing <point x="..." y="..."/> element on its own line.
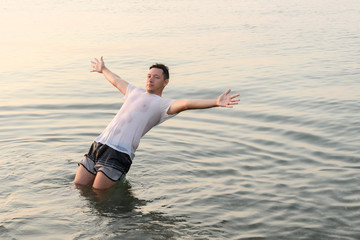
<point x="140" y="112"/>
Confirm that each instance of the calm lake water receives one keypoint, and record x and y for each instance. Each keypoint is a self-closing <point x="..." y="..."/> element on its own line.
<point x="283" y="164"/>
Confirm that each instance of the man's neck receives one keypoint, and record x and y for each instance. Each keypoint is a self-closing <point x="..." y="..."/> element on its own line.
<point x="155" y="93"/>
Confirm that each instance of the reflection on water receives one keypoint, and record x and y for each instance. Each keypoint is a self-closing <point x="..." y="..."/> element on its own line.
<point x="111" y="202"/>
<point x="123" y="214"/>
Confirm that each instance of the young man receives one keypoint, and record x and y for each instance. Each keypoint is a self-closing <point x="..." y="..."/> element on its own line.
<point x="110" y="156"/>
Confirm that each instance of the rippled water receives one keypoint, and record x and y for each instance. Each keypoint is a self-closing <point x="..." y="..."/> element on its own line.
<point x="283" y="164"/>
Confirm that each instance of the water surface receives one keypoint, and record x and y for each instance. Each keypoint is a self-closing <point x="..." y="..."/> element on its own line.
<point x="283" y="164"/>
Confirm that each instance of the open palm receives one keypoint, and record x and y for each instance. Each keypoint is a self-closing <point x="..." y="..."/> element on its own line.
<point x="97" y="65"/>
<point x="227" y="101"/>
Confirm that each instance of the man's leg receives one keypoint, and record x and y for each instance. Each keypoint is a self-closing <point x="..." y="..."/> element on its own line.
<point x="102" y="181"/>
<point x="83" y="176"/>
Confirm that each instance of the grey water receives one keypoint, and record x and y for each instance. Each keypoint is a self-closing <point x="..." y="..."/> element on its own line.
<point x="283" y="164"/>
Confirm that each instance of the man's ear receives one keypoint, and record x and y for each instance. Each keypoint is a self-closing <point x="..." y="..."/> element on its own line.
<point x="166" y="82"/>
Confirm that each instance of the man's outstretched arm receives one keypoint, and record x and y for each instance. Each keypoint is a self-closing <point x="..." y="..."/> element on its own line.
<point x="118" y="82"/>
<point x="186" y="104"/>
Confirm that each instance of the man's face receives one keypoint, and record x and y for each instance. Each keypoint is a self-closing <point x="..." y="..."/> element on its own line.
<point x="155" y="81"/>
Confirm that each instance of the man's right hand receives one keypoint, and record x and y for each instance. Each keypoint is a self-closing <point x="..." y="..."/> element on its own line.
<point x="118" y="82"/>
<point x="97" y="66"/>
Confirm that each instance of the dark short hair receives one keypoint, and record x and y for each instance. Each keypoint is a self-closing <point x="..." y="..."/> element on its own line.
<point x="164" y="68"/>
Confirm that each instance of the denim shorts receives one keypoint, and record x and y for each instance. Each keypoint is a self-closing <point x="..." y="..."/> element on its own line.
<point x="112" y="163"/>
